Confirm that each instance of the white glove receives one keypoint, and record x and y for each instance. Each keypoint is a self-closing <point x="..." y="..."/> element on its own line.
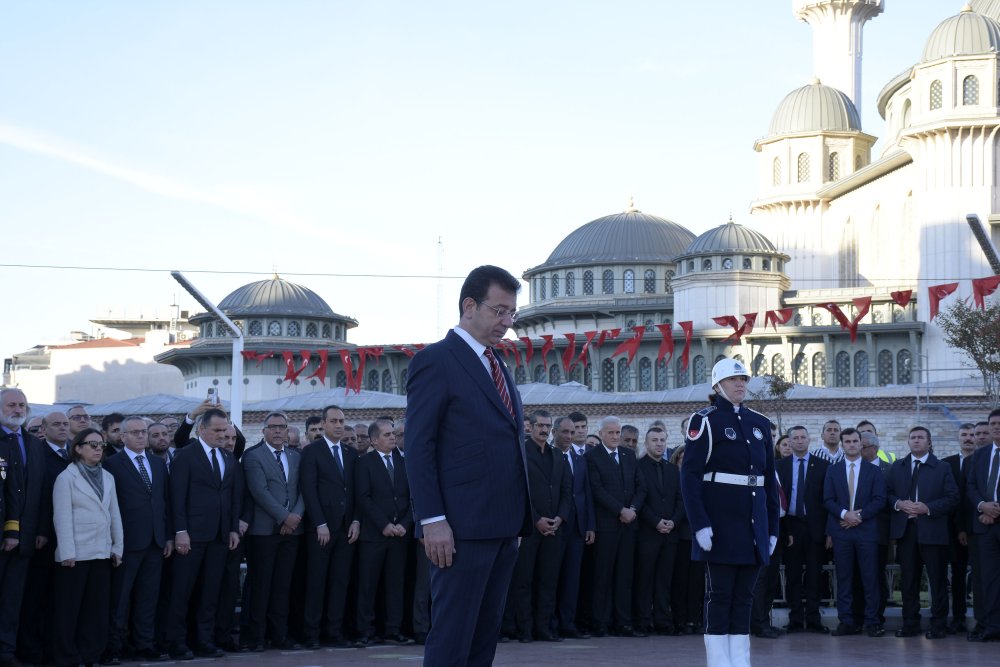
<point x="704" y="537"/>
<point x="772" y="545"/>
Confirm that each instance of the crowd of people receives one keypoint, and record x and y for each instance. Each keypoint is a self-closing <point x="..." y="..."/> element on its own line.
<point x="126" y="538"/>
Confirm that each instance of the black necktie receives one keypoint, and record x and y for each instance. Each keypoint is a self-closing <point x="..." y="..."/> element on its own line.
<point x="215" y="466"/>
<point x="389" y="467"/>
<point x="913" y="481"/>
<point x="659" y="473"/>
<point x="336" y="457"/>
<point x="142" y="472"/>
<point x="63" y="454"/>
<point x="569" y="462"/>
<point x="277" y="457"/>
<point x="800" y="490"/>
<point x="991" y="483"/>
<point x="614" y="456"/>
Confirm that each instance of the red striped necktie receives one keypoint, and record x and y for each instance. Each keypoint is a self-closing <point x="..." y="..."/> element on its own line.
<point x="499" y="381"/>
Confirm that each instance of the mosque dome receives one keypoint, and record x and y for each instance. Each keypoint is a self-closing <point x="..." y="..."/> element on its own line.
<point x="731" y="238"/>
<point x="815" y="108"/>
<point x="965" y="34"/>
<point x="275" y="297"/>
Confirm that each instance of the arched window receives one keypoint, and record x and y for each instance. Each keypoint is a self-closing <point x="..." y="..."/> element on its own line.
<point x="706" y="265"/>
<point x="576" y="373"/>
<point x="256" y="328"/>
<point x="607" y="375"/>
<point x="311" y="330"/>
<point x="520" y="376"/>
<point x="541" y="288"/>
<point x="661" y="375"/>
<point x="861" y="369"/>
<point x="274" y="328"/>
<point x="765" y="265"/>
<point x="738" y="357"/>
<point x="747" y="264"/>
<point x="588" y="377"/>
<point x="326" y="331"/>
<point x="555" y="285"/>
<point x="629" y="324"/>
<point x="539" y="373"/>
<point x="629" y="280"/>
<point x="386" y="381"/>
<point x="759" y="364"/>
<point x="294" y="329"/>
<point x="842" y="371"/>
<point x="699" y="370"/>
<point x="645" y="374"/>
<point x="588" y="282"/>
<point x="819" y="370"/>
<point x="937" y="95"/>
<point x="683" y="374"/>
<point x="402" y="380"/>
<point x="668" y="288"/>
<point x="776" y="172"/>
<point x="859" y="161"/>
<point x="970" y="90"/>
<point x="884" y="368"/>
<point x="555" y="374"/>
<point x="336" y="333"/>
<point x="649" y="281"/>
<point x="608" y="281"/>
<point x="341" y="379"/>
<point x="904" y="367"/>
<point x="907" y="113"/>
<point x="803" y="161"/>
<point x="800" y="369"/>
<point x="778" y="365"/>
<point x="833" y="167"/>
<point x="372" y="384"/>
<point x="570" y="284"/>
<point x="818" y="318"/>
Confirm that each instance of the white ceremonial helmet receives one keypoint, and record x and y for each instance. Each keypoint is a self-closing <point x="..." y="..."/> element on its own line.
<point x="727" y="368"/>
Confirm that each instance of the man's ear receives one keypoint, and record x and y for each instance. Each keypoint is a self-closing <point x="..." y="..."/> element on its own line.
<point x="468" y="305"/>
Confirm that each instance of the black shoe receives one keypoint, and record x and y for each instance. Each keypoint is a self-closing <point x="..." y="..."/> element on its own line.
<point x="398" y="639"/>
<point x="599" y="631"/>
<point x="229" y="646"/>
<point x="573" y="633"/>
<point x="665" y="630"/>
<point x="525" y="638"/>
<point x="936" y="633"/>
<point x="111" y="659"/>
<point x="817" y="627"/>
<point x="845" y="629"/>
<point x="768" y="632"/>
<point x="338" y="642"/>
<point x="420" y="638"/>
<point x="908" y="632"/>
<point x="287" y="645"/>
<point x="181" y="652"/>
<point x="629" y="631"/>
<point x="362" y="642"/>
<point x="150" y="655"/>
<point x="547" y="637"/>
<point x="958" y="627"/>
<point x="311" y="645"/>
<point x="209" y="651"/>
<point x="984" y="637"/>
<point x="874" y="630"/>
<point x="792" y="628"/>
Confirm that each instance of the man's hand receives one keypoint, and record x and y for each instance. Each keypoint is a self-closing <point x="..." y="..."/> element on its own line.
<point x="290" y="523"/>
<point x="627" y="515"/>
<point x="542" y="525"/>
<point x="168" y="549"/>
<point x="439" y="543"/>
<point x="588" y="537"/>
<point x="10" y="543"/>
<point x="322" y="535"/>
<point x="234" y="540"/>
<point x="243" y="527"/>
<point x="963" y="538"/>
<point x="704" y="538"/>
<point x="116" y="560"/>
<point x="202" y="408"/>
<point x="853" y="518"/>
<point x="992" y="510"/>
<point x="41" y="541"/>
<point x="920" y="509"/>
<point x="69" y="562"/>
<point x="400" y="530"/>
<point x="986" y="520"/>
<point x="829" y="542"/>
<point x="353" y="531"/>
<point x="389" y="530"/>
<point x="661" y="526"/>
<point x="182" y="543"/>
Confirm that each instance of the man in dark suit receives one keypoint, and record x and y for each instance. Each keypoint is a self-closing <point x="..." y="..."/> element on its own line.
<point x="206" y="492"/>
<point x="981" y="490"/>
<point x="142" y="486"/>
<point x="383" y="499"/>
<point x="531" y="602"/>
<point x="466" y="466"/>
<point x="619" y="493"/>
<point x="854" y="493"/>
<point x="922" y="495"/>
<point x="870" y="454"/>
<point x="16" y="447"/>
<point x="801" y="476"/>
<point x="272" y="479"/>
<point x="332" y="528"/>
<point x="182" y="436"/>
<point x="579" y="528"/>
<point x="661" y="513"/>
<point x="961" y="526"/>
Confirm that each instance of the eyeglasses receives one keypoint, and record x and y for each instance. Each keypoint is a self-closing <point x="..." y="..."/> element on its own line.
<point x="138" y="432"/>
<point x="34" y="429"/>
<point x="278" y="426"/>
<point x="95" y="445"/>
<point x="78" y="418"/>
<point x="501" y="312"/>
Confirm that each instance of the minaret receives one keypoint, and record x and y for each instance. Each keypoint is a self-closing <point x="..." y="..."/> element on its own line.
<point x="837" y="26"/>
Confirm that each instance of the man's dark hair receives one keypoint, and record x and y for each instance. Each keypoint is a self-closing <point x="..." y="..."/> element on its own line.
<point x="533" y="417"/>
<point x="993" y="413"/>
<point x="478" y="282"/>
<point x="865" y="422"/>
<point x="832" y="421"/>
<point x="927" y="431"/>
<point x="796" y="428"/>
<point x="577" y="417"/>
<point x="848" y="431"/>
<point x="630" y="429"/>
<point x="313" y="419"/>
<point x="330" y="407"/>
<point x="113" y="418"/>
<point x="348" y="427"/>
<point x="982" y="423"/>
<point x="211" y="414"/>
<point x="967" y="426"/>
<point x="558" y="421"/>
<point x="654" y="429"/>
<point x="376" y="426"/>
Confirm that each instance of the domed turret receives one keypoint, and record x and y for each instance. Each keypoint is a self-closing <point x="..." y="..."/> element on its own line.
<point x="965" y="34"/>
<point x="815" y="108"/>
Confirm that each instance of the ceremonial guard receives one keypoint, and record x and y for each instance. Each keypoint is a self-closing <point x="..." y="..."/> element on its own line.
<point x="731" y="499"/>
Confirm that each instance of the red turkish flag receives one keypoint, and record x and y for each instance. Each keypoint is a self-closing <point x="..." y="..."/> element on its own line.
<point x="688" y="329"/>
<point x="938" y="292"/>
<point x="291" y="371"/>
<point x="583" y="358"/>
<point x="320" y="372"/>
<point x="631" y="345"/>
<point x="569" y="354"/>
<point x="982" y="288"/>
<point x="405" y="350"/>
<point x="901" y="297"/>
<point x="546" y="347"/>
<point x="667" y="344"/>
<point x="776" y="317"/>
<point x="529" y="349"/>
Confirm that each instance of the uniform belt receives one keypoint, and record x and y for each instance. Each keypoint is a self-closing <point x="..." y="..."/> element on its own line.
<point x="738" y="480"/>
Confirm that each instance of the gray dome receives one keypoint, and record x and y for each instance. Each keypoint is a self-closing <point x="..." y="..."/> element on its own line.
<point x="989" y="8"/>
<point x="731" y="238"/>
<point x="964" y="34"/>
<point x="631" y="236"/>
<point x="275" y="297"/>
<point x="815" y="108"/>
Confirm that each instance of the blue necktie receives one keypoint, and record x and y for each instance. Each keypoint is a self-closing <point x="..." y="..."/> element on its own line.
<point x="800" y="490"/>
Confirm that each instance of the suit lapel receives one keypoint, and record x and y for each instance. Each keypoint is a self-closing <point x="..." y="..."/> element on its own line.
<point x="468" y="360"/>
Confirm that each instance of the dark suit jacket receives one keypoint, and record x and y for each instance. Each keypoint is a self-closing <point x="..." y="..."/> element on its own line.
<point x="382" y="500"/>
<point x="977" y="478"/>
<point x="869" y="497"/>
<point x="582" y="511"/>
<point x="207" y="508"/>
<point x="182" y="437"/>
<point x="273" y="496"/>
<point x="551" y="490"/>
<point x="144" y="513"/>
<point x="36" y="515"/>
<point x="815" y="477"/>
<point x="936" y="488"/>
<point x="961" y="518"/>
<point x="464" y="451"/>
<point x="54" y="466"/>
<point x="614" y="486"/>
<point x="12" y="484"/>
<point x="329" y="496"/>
<point x="662" y="502"/>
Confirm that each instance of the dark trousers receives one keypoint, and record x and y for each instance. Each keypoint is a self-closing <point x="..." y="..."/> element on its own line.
<point x="729" y="598"/>
<point x="614" y="558"/>
<point x="688" y="590"/>
<point x="767" y="587"/>
<point x="585" y="600"/>
<point x="383" y="561"/>
<point x="421" y="590"/>
<point x="569" y="581"/>
<point x="975" y="562"/>
<point x="229" y="592"/>
<point x="959" y="591"/>
<point x="297" y="595"/>
<point x="80" y="620"/>
<point x="272" y="558"/>
<point x="467" y="601"/>
<point x="853" y="557"/>
<point x="654" y="576"/>
<point x="803" y="557"/>
<point x="913" y="557"/>
<point x="13" y="571"/>
<point x="135" y="589"/>
<point x="989" y="556"/>
<point x="201" y="569"/>
<point x="34" y="636"/>
<point x="531" y="600"/>
<point x="858" y="590"/>
<point x="329" y="574"/>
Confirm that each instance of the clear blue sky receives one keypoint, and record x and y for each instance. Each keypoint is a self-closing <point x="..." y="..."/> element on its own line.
<point x="347" y="137"/>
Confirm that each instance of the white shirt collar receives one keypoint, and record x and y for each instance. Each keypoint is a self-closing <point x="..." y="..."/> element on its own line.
<point x="330" y="443"/>
<point x="611" y="452"/>
<point x="476" y="346"/>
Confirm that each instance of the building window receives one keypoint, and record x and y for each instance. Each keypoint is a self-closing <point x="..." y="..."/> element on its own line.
<point x="833" y="167"/>
<point x="588" y="376"/>
<point x="402" y="380"/>
<point x="759" y="364"/>
<point x="683" y="375"/>
<point x="294" y="329"/>
<point x="800" y="369"/>
<point x="765" y="265"/>
<point x="629" y="324"/>
<point x="326" y="331"/>
<point x="706" y="265"/>
<point x="776" y="172"/>
<point x="738" y="357"/>
<point x="803" y="175"/>
<point x="699" y="370"/>
<point x="970" y="90"/>
<point x="576" y="375"/>
<point x="387" y="381"/>
<point x="608" y="282"/>
<point x="649" y="325"/>
<point x="256" y="328"/>
<point x="541" y="288"/>
<point x="668" y="288"/>
<point x="817" y="318"/>
<point x="624" y="376"/>
<point x="555" y="285"/>
<point x="649" y="281"/>
<point x="690" y="266"/>
<point x="861" y="369"/>
<point x="311" y="330"/>
<point x="747" y="263"/>
<point x="239" y="324"/>
<point x="274" y="328"/>
<point x="661" y="375"/>
<point x="645" y="374"/>
<point x="588" y="282"/>
<point x="907" y="112"/>
<point x="884" y="368"/>
<point x="937" y="95"/>
<point x="819" y="370"/>
<point x="607" y="375"/>
<point x="842" y="371"/>
<point x="372" y="384"/>
<point x="336" y="332"/>
<point x="570" y="284"/>
<point x="520" y="376"/>
<point x="859" y="162"/>
<point x="629" y="280"/>
<point x="341" y="379"/>
<point x="555" y="374"/>
<point x="904" y="367"/>
<point x="778" y="365"/>
<point x="539" y="373"/>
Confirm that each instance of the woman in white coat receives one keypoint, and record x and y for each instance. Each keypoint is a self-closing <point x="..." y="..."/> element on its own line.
<point x="89" y="541"/>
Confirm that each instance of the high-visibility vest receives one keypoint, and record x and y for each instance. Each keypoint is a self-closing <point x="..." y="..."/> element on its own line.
<point x="888" y="457"/>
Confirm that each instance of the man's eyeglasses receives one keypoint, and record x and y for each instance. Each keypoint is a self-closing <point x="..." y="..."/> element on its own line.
<point x="35" y="429"/>
<point x="78" y="418"/>
<point x="501" y="312"/>
<point x="138" y="432"/>
<point x="277" y="426"/>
